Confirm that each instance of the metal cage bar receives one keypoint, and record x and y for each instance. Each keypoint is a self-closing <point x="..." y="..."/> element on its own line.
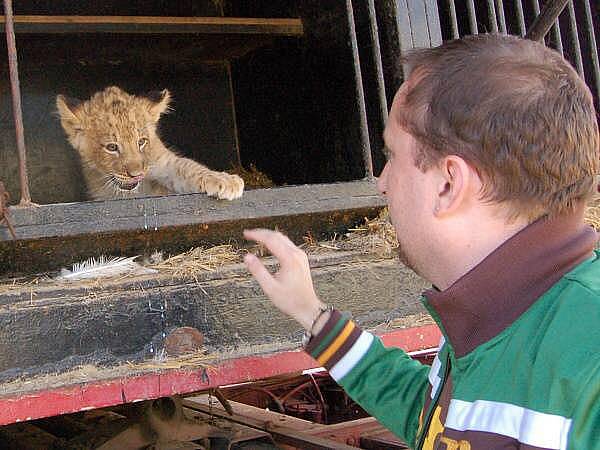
<point x="360" y="94"/>
<point x="589" y="23"/>
<point x="472" y="16"/>
<point x="501" y="16"/>
<point x="16" y="103"/>
<point x="492" y="15"/>
<point x="575" y="39"/>
<point x="453" y="20"/>
<point x="383" y="107"/>
<point x="557" y="37"/>
<point x="520" y="17"/>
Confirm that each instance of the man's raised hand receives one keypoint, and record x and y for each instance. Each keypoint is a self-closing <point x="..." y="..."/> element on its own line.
<point x="291" y="288"/>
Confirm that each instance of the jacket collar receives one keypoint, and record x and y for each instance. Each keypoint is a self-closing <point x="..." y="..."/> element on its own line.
<point x="492" y="295"/>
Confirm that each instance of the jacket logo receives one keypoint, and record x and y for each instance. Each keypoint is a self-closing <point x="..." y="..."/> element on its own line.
<point x="435" y="439"/>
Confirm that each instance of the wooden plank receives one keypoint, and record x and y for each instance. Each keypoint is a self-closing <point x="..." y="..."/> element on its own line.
<point x="130" y="320"/>
<point x="48" y="397"/>
<point x="155" y="24"/>
<point x="59" y="234"/>
<point x="272" y="422"/>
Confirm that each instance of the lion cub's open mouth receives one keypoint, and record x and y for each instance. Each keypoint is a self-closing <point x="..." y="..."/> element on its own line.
<point x="128" y="185"/>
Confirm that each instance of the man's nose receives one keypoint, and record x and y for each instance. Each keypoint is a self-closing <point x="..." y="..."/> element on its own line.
<point x="382" y="180"/>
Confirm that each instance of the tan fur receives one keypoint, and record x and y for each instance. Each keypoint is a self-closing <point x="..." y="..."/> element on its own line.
<point x="113" y="116"/>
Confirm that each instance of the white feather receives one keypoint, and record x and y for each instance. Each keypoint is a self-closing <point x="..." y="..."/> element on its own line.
<point x="103" y="267"/>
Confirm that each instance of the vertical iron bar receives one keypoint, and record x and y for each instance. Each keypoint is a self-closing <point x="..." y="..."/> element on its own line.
<point x="520" y="17"/>
<point x="360" y="94"/>
<point x="575" y="39"/>
<point x="455" y="33"/>
<point x="492" y="14"/>
<point x="501" y="17"/>
<point x="593" y="45"/>
<point x="16" y="102"/>
<point x="383" y="107"/>
<point x="472" y="17"/>
<point x="557" y="37"/>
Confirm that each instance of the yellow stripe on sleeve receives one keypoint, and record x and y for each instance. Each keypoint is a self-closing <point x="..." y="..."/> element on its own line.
<point x="336" y="344"/>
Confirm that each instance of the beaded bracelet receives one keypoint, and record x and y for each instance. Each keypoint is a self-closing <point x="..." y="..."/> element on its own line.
<point x="307" y="336"/>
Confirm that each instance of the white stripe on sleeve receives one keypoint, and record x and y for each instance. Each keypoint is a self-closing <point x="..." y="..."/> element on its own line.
<point x="354" y="355"/>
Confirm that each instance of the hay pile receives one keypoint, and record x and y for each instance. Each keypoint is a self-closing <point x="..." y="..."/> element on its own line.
<point x="198" y="259"/>
<point x="253" y="178"/>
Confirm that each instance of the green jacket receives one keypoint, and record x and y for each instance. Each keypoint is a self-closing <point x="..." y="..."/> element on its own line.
<point x="519" y="362"/>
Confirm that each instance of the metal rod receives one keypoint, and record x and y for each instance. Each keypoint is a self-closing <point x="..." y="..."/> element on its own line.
<point x="501" y="17"/>
<point x="472" y="17"/>
<point x="383" y="107"/>
<point x="520" y="17"/>
<point x="593" y="44"/>
<point x="575" y="39"/>
<point x="360" y="94"/>
<point x="16" y="101"/>
<point x="546" y="18"/>
<point x="455" y="33"/>
<point x="492" y="15"/>
<point x="557" y="37"/>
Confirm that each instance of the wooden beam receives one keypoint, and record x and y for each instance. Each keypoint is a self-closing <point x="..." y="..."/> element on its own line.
<point x="155" y="24"/>
<point x="61" y="234"/>
<point x="130" y="319"/>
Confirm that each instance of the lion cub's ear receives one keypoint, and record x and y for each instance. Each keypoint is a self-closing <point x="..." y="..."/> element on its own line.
<point x="67" y="109"/>
<point x="159" y="102"/>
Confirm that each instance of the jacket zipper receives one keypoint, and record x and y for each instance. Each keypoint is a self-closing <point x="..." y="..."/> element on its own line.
<point x="434" y="403"/>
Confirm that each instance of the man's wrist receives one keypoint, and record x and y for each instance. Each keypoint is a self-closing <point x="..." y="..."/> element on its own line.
<point x="308" y="316"/>
<point x="318" y="321"/>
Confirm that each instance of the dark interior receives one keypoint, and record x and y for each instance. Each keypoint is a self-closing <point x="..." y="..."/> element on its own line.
<point x="286" y="105"/>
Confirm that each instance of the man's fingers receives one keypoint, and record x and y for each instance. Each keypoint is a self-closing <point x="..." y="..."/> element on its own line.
<point x="278" y="244"/>
<point x="260" y="272"/>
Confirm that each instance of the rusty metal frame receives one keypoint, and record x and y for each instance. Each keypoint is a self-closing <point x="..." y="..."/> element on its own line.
<point x="16" y="101"/>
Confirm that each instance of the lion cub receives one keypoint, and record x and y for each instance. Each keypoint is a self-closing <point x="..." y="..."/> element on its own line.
<point x="122" y="156"/>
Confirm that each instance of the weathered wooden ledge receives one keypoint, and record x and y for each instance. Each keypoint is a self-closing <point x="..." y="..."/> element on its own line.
<point x="55" y="328"/>
<point x="56" y="235"/>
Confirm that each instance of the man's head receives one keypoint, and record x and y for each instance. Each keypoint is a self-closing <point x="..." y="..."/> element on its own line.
<point x="490" y="120"/>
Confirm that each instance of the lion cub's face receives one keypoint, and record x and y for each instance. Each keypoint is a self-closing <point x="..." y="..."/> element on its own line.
<point x="114" y="132"/>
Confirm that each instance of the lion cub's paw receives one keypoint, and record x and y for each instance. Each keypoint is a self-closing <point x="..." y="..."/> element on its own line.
<point x="223" y="185"/>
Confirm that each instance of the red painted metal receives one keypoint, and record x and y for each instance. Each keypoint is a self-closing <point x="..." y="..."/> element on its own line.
<point x="102" y="393"/>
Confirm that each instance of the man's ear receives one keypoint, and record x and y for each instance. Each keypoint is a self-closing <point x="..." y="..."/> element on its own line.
<point x="456" y="183"/>
<point x="159" y="102"/>
<point x="67" y="110"/>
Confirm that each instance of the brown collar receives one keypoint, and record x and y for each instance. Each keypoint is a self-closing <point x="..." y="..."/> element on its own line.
<point x="496" y="292"/>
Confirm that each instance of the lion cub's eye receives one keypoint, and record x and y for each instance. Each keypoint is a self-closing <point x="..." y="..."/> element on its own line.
<point x="142" y="143"/>
<point x="112" y="147"/>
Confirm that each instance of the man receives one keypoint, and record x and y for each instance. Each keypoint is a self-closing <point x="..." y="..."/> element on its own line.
<point x="492" y="152"/>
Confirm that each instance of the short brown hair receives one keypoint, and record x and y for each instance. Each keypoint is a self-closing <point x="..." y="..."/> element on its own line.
<point x="515" y="110"/>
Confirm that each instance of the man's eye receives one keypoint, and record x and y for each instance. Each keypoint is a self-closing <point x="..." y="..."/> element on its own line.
<point x="387" y="153"/>
<point x="142" y="143"/>
<point x="112" y="147"/>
